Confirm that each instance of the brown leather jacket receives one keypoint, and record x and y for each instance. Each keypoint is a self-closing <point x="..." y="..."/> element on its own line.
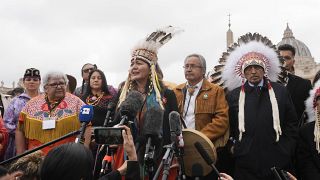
<point x="211" y="111"/>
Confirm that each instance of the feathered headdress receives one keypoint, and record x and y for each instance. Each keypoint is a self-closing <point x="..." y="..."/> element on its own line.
<point x="313" y="114"/>
<point x="251" y="49"/>
<point x="147" y="50"/>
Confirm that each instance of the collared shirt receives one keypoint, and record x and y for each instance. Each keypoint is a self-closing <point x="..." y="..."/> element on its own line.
<point x="189" y="106"/>
<point x="259" y="85"/>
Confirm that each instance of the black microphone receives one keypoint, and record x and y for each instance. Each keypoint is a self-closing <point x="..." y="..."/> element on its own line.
<point x="130" y="106"/>
<point x="152" y="130"/>
<point x="85" y="116"/>
<point x="110" y="108"/>
<point x="177" y="140"/>
<point x="206" y="157"/>
<point x="197" y="171"/>
<point x="139" y="142"/>
<point x="175" y="128"/>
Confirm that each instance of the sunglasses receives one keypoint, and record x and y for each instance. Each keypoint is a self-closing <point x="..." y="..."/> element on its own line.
<point x="32" y="79"/>
<point x="286" y="57"/>
<point x="87" y="70"/>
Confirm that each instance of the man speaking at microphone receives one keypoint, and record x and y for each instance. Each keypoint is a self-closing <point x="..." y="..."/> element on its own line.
<point x="48" y="116"/>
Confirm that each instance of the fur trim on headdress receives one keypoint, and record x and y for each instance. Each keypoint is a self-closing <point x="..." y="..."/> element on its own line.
<point x="251" y="50"/>
<point x="233" y="72"/>
<point x="311" y="102"/>
<point x="312" y="111"/>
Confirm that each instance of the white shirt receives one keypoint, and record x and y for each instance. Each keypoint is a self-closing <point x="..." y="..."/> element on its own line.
<point x="189" y="117"/>
<point x="260" y="84"/>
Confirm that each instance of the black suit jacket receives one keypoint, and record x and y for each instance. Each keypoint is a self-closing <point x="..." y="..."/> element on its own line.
<point x="299" y="90"/>
<point x="308" y="158"/>
<point x="258" y="150"/>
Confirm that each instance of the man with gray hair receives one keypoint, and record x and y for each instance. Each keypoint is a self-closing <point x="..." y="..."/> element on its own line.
<point x="202" y="105"/>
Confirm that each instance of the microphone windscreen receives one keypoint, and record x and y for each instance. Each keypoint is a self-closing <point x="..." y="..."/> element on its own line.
<point x="174" y="122"/>
<point x="203" y="153"/>
<point x="139" y="142"/>
<point x="86" y="113"/>
<point x="111" y="106"/>
<point x="132" y="104"/>
<point x="152" y="124"/>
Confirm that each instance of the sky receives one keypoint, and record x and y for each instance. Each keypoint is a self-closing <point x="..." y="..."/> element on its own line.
<point x="62" y="35"/>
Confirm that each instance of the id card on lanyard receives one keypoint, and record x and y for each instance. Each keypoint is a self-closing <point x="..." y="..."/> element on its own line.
<point x="48" y="123"/>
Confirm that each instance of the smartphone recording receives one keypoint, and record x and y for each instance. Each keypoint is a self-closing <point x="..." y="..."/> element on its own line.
<point x="108" y="135"/>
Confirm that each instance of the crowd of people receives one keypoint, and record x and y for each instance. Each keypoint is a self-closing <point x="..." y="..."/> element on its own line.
<point x="257" y="114"/>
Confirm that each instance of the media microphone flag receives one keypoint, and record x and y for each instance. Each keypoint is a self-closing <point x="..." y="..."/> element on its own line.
<point x="85" y="116"/>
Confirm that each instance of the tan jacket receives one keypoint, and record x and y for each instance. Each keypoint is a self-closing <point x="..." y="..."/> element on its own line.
<point x="211" y="111"/>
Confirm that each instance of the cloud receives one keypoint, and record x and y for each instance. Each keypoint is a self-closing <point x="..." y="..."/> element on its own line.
<point x="63" y="35"/>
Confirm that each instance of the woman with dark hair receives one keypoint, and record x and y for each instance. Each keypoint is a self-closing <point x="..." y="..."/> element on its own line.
<point x="145" y="76"/>
<point x="98" y="94"/>
<point x="70" y="161"/>
<point x="31" y="82"/>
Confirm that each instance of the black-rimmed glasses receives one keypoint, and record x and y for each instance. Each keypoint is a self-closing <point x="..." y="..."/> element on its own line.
<point x="55" y="85"/>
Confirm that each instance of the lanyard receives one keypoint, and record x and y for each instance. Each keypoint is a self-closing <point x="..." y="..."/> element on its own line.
<point x="52" y="106"/>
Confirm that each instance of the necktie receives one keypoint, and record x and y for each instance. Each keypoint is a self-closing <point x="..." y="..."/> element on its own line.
<point x="191" y="90"/>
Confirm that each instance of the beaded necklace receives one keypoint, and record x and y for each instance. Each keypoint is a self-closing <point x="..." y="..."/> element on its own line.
<point x="94" y="99"/>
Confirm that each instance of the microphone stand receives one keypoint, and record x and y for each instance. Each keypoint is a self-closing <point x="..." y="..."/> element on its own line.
<point x="148" y="159"/>
<point x="40" y="147"/>
<point x="180" y="154"/>
<point x="166" y="162"/>
<point x="106" y="167"/>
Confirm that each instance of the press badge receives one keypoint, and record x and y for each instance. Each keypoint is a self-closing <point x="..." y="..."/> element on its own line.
<point x="49" y="123"/>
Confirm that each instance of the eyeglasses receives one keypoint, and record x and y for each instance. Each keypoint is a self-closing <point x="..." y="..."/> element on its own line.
<point x="32" y="79"/>
<point x="286" y="57"/>
<point x="87" y="70"/>
<point x="191" y="66"/>
<point x="55" y="85"/>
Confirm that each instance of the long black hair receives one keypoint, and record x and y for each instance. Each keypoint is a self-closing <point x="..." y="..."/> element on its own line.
<point x="70" y="161"/>
<point x="104" y="84"/>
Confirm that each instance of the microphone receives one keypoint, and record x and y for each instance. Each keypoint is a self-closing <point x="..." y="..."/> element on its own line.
<point x="152" y="130"/>
<point x="130" y="106"/>
<point x="177" y="140"/>
<point x="175" y="128"/>
<point x="140" y="140"/>
<point x="106" y="159"/>
<point x="206" y="157"/>
<point x="85" y="116"/>
<point x="110" y="108"/>
<point x="197" y="171"/>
